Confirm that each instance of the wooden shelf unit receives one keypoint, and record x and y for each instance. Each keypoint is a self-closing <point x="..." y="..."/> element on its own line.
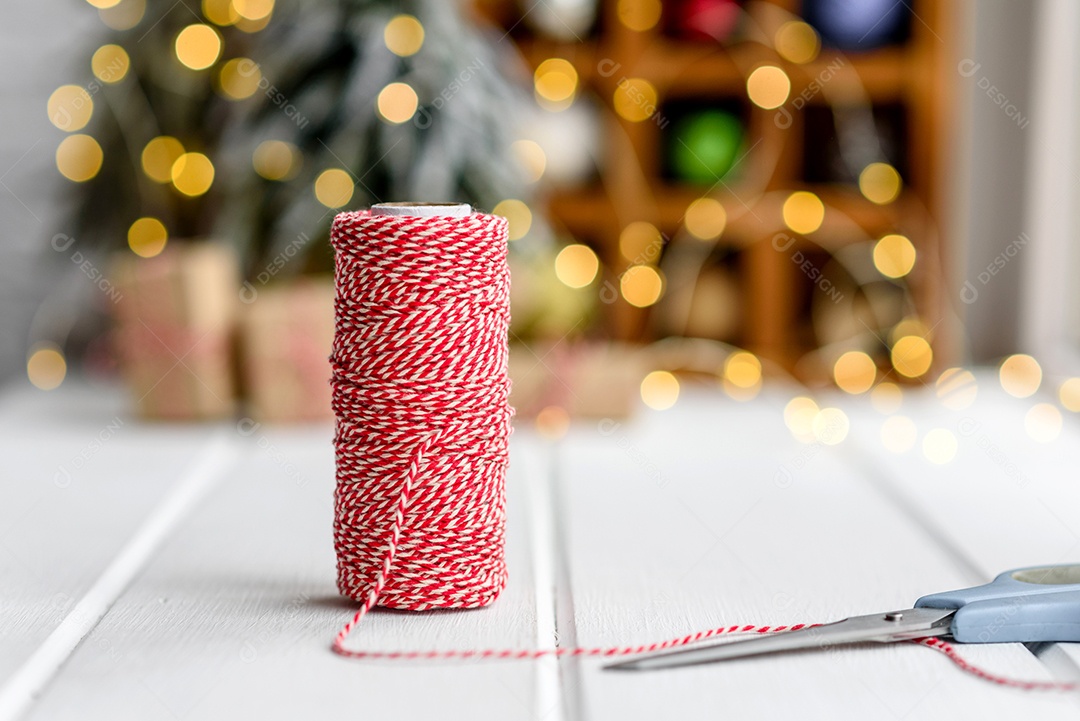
<point x="631" y="186"/>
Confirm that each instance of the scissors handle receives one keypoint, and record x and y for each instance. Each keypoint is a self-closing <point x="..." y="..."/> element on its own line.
<point x="1023" y="605"/>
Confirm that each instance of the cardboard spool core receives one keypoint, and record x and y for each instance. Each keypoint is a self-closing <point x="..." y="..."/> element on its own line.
<point x="423" y="210"/>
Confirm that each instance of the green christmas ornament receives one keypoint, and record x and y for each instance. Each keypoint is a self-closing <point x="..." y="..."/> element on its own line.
<point x="705" y="145"/>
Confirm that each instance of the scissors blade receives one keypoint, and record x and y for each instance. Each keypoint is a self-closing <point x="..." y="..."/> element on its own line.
<point x="881" y="627"/>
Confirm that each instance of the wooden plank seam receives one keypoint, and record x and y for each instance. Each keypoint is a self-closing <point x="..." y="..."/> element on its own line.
<point x="27" y="684"/>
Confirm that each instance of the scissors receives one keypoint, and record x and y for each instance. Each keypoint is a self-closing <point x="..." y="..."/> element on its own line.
<point x="1027" y="604"/>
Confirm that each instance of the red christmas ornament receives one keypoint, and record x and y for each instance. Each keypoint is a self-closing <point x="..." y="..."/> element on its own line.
<point x="708" y="20"/>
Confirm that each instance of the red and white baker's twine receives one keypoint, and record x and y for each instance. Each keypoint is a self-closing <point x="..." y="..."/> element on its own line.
<point x="420" y="391"/>
<point x="423" y="423"/>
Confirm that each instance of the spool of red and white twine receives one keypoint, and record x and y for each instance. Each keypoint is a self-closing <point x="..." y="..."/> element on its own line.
<point x="420" y="391"/>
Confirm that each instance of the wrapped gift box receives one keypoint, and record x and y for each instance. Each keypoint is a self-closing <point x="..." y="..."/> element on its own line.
<point x="286" y="333"/>
<point x="173" y="329"/>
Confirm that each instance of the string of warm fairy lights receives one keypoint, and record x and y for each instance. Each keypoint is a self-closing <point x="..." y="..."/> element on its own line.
<point x="894" y="256"/>
<point x="556" y="85"/>
<point x="164" y="160"/>
<point x="199" y="47"/>
<point x="1020" y="376"/>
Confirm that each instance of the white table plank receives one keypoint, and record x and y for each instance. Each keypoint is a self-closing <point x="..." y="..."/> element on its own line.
<point x="79" y="475"/>
<point x="236" y="615"/>
<point x="716" y="542"/>
<point x="1007" y="500"/>
<point x="237" y="611"/>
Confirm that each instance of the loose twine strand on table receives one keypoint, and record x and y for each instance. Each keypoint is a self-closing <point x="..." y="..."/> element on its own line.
<point x="420" y="352"/>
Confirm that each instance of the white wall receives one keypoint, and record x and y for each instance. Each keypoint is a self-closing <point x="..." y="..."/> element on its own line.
<point x="1049" y="313"/>
<point x="992" y="163"/>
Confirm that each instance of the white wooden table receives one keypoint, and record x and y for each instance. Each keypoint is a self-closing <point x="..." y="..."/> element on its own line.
<point x="157" y="571"/>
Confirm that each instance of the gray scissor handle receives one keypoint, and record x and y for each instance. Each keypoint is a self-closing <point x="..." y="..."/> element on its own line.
<point x="1040" y="603"/>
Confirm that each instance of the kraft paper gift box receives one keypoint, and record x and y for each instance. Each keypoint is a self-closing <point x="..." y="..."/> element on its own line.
<point x="173" y="329"/>
<point x="286" y="333"/>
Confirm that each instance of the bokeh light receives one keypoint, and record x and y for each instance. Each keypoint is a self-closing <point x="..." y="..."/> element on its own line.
<point x="641" y="285"/>
<point x="742" y="378"/>
<point x="239" y="78"/>
<point x="799" y="414"/>
<point x="797" y="42"/>
<point x="803" y="212"/>
<point x="854" y="372"/>
<point x="552" y="422"/>
<point x="220" y="12"/>
<point x="252" y="26"/>
<point x="192" y="174"/>
<point x="640" y="242"/>
<point x="110" y="63"/>
<point x="880" y="183"/>
<point x="1069" y="394"/>
<point x="742" y="369"/>
<point x="532" y="158"/>
<point x="334" y="187"/>
<point x="147" y="237"/>
<point x="635" y="99"/>
<point x="198" y="46"/>
<point x="158" y="158"/>
<point x="79" y="158"/>
<point x="1020" y="375"/>
<point x="103" y="4"/>
<point x="912" y="356"/>
<point x="639" y="15"/>
<point x="46" y="367"/>
<point x="124" y="15"/>
<point x="276" y="160"/>
<point x="831" y="426"/>
<point x="1043" y="422"/>
<point x="887" y="397"/>
<point x="404" y="35"/>
<point x="576" y="265"/>
<point x="660" y="390"/>
<point x="939" y="446"/>
<point x="70" y="108"/>
<point x="254" y="9"/>
<point x="705" y="218"/>
<point x="518" y="216"/>
<point x="768" y="87"/>
<point x="894" y="256"/>
<point x="397" y="103"/>
<point x="898" y="434"/>
<point x="957" y="388"/>
<point x="555" y="82"/>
